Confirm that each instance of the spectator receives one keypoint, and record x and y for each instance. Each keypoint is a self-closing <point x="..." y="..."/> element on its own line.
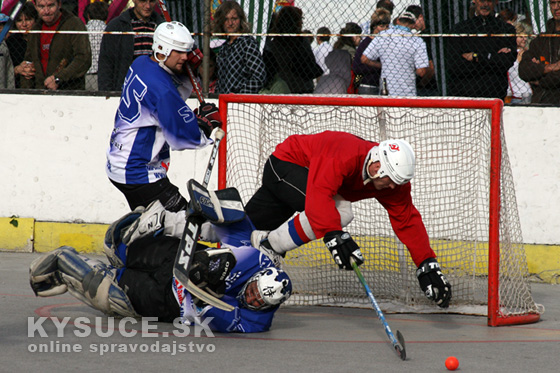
<point x="339" y="64"/>
<point x="401" y="57"/>
<point x="118" y="51"/>
<point x="291" y="56"/>
<point x="323" y="48"/>
<point x="426" y="85"/>
<point x="310" y="37"/>
<point x="367" y="77"/>
<point x="540" y="65"/>
<point x="240" y="64"/>
<point x="478" y="66"/>
<point x="349" y="43"/>
<point x="385" y="4"/>
<point x="96" y="14"/>
<point x="519" y="91"/>
<point x="509" y="16"/>
<point x="6" y="65"/>
<point x="17" y="43"/>
<point x="381" y="4"/>
<point x="58" y="62"/>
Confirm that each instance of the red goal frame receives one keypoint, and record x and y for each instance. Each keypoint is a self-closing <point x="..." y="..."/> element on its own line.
<point x="495" y="317"/>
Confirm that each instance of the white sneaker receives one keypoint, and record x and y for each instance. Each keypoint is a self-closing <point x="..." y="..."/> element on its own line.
<point x="148" y="223"/>
<point x="259" y="240"/>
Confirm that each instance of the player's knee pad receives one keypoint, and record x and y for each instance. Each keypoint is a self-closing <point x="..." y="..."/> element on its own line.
<point x="292" y="234"/>
<point x="297" y="231"/>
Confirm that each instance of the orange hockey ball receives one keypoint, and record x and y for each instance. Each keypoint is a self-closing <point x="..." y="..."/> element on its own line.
<point x="452" y="363"/>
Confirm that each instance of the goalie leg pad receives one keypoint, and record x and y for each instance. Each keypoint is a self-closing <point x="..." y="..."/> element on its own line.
<point x="93" y="282"/>
<point x="44" y="277"/>
<point x="219" y="207"/>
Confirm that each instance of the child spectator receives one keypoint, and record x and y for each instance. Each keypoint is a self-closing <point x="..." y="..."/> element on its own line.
<point x="96" y="15"/>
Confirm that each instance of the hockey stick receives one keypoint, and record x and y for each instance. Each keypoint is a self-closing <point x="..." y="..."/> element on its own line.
<point x="185" y="253"/>
<point x="12" y="20"/>
<point x="194" y="82"/>
<point x="398" y="342"/>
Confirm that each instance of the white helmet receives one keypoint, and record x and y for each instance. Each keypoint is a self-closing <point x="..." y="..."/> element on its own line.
<point x="397" y="161"/>
<point x="171" y="36"/>
<point x="273" y="286"/>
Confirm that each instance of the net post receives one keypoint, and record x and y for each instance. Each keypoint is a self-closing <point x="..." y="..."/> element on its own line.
<point x="222" y="155"/>
<point x="494" y="216"/>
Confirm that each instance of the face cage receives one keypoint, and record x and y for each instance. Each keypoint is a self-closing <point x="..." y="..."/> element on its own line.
<point x="253" y="287"/>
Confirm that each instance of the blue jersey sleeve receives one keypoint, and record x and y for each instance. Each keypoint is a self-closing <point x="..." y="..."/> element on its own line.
<point x="178" y="122"/>
<point x="240" y="320"/>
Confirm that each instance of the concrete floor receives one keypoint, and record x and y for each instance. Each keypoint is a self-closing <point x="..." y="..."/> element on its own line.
<point x="320" y="339"/>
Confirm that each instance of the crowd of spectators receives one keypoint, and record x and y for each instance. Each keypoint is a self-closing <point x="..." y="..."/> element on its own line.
<point x="388" y="50"/>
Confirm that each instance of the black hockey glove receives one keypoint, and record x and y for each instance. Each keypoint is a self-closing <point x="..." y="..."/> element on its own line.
<point x="433" y="283"/>
<point x="342" y="248"/>
<point x="209" y="271"/>
<point x="208" y="117"/>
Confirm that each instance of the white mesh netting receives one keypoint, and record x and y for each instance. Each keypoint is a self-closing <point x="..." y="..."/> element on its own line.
<point x="450" y="189"/>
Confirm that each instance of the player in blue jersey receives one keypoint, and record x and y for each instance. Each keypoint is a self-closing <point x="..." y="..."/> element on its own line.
<point x="153" y="118"/>
<point x="141" y="283"/>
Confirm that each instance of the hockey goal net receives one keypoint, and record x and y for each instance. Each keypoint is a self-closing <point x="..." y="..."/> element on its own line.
<point x="463" y="188"/>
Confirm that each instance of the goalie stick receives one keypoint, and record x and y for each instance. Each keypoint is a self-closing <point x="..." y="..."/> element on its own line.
<point x="184" y="257"/>
<point x="11" y="21"/>
<point x="398" y="342"/>
<point x="194" y="82"/>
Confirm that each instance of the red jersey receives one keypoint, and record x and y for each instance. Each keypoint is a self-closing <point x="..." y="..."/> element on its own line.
<point x="336" y="166"/>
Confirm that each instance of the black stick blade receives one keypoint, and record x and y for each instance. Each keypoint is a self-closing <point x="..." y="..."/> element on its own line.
<point x="401" y="351"/>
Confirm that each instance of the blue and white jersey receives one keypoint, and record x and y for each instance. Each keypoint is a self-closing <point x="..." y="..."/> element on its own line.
<point x="249" y="262"/>
<point x="152" y="118"/>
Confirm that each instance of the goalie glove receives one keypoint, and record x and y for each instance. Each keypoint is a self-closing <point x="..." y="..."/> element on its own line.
<point x="209" y="271"/>
<point x="433" y="282"/>
<point x="208" y="117"/>
<point x="342" y="248"/>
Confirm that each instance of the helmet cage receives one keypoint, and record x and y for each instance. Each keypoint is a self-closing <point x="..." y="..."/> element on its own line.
<point x="274" y="288"/>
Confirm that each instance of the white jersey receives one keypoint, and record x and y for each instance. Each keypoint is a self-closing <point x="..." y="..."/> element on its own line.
<point x="152" y="118"/>
<point x="400" y="56"/>
<point x="517" y="87"/>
